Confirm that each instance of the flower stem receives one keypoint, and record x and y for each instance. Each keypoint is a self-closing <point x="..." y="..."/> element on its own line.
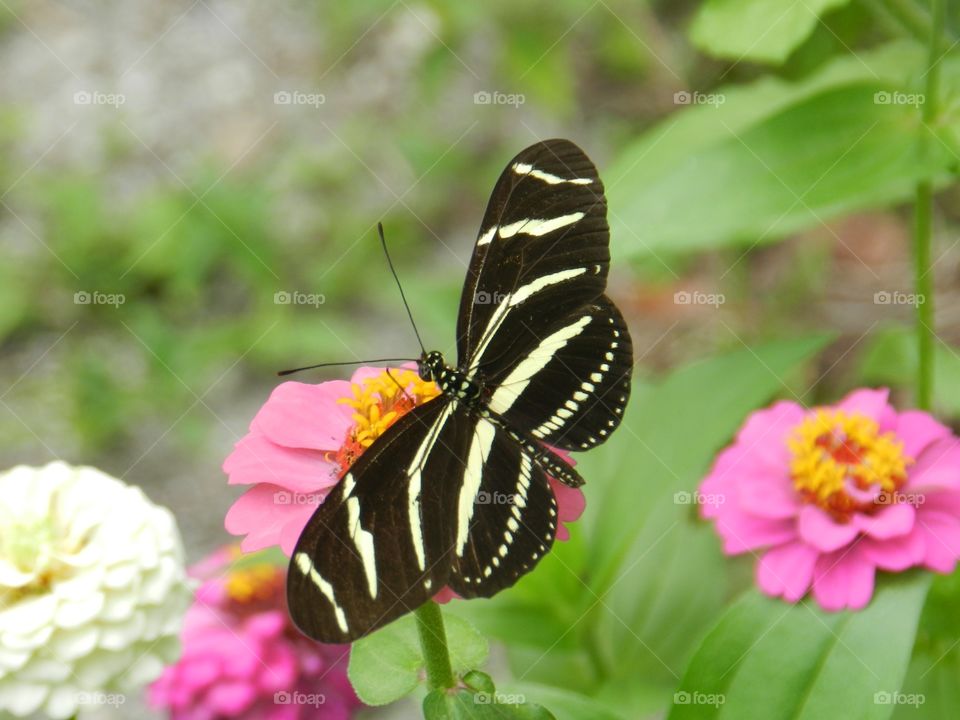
<point x="923" y="212"/>
<point x="433" y="643"/>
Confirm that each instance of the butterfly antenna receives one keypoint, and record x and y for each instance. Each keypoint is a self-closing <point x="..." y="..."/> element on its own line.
<point x="349" y="362"/>
<point x="383" y="242"/>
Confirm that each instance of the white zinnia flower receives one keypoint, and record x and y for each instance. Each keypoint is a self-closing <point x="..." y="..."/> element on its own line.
<point x="92" y="589"/>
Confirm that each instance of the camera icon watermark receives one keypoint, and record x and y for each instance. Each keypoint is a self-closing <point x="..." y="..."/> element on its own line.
<point x="499" y="698"/>
<point x="95" y="97"/>
<point x="495" y="97"/>
<point x="495" y="498"/>
<point x="884" y="97"/>
<point x="886" y="297"/>
<point x="101" y="698"/>
<point x="297" y="97"/>
<point x="482" y="297"/>
<point x="884" y="697"/>
<point x="685" y="97"/>
<point x="295" y="297"/>
<point x="286" y="497"/>
<point x="684" y="697"/>
<point x="685" y="297"/>
<point x="84" y="297"/>
<point x="899" y="498"/>
<point x="685" y="497"/>
<point x="285" y="697"/>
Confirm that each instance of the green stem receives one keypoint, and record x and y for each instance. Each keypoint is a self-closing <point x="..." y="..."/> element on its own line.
<point x="433" y="643"/>
<point x="923" y="214"/>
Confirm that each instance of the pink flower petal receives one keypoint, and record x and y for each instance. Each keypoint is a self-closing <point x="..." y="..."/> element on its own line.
<point x="570" y="505"/>
<point x="941" y="534"/>
<point x="264" y="521"/>
<point x="764" y="434"/>
<point x="298" y="415"/>
<point x="889" y="522"/>
<point x="787" y="570"/>
<point x="896" y="554"/>
<point x="771" y="496"/>
<point x="873" y="404"/>
<point x="937" y="468"/>
<point x="917" y="429"/>
<point x="742" y="532"/>
<point x="255" y="459"/>
<point x="843" y="579"/>
<point x="821" y="531"/>
<point x="231" y="698"/>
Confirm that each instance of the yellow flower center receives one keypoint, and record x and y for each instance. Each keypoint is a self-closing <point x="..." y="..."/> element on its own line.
<point x="378" y="402"/>
<point x="842" y="463"/>
<point x="257" y="583"/>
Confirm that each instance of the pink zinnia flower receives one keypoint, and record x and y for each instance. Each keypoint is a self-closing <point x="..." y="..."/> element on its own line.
<point x="243" y="658"/>
<point x="827" y="496"/>
<point x="304" y="438"/>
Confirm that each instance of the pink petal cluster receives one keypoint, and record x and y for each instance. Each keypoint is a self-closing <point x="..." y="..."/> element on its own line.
<point x="245" y="660"/>
<point x="286" y="458"/>
<point x="750" y="495"/>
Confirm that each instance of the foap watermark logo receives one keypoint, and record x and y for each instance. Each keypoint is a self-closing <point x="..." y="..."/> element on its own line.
<point x="499" y="698"/>
<point x="95" y="297"/>
<point x="495" y="97"/>
<point x="899" y="698"/>
<point x="685" y="97"/>
<point x="284" y="697"/>
<point x="684" y="497"/>
<point x="95" y="97"/>
<point x="685" y="697"/>
<point x="483" y="297"/>
<point x="295" y="297"/>
<point x="495" y="498"/>
<point x="685" y="297"/>
<point x="101" y="698"/>
<point x="285" y="497"/>
<point x="883" y="97"/>
<point x="298" y="97"/>
<point x="886" y="297"/>
<point x="900" y="498"/>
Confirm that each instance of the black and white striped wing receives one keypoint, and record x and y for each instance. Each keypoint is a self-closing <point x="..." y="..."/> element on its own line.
<point x="534" y="326"/>
<point x="379" y="545"/>
<point x="512" y="519"/>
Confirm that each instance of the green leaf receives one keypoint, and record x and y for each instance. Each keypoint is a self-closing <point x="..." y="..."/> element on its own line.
<point x="774" y="158"/>
<point x="568" y="704"/>
<point x="480" y="705"/>
<point x="768" y="659"/>
<point x="641" y="578"/>
<point x="388" y="664"/>
<point x="760" y="30"/>
<point x="891" y="358"/>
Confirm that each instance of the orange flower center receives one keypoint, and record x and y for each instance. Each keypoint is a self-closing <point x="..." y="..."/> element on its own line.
<point x="378" y="402"/>
<point x="842" y="463"/>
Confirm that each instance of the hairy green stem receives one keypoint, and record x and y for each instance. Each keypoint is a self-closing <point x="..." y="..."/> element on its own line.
<point x="923" y="214"/>
<point x="433" y="643"/>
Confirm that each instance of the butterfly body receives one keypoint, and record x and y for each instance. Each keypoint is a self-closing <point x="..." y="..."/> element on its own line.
<point x="456" y="492"/>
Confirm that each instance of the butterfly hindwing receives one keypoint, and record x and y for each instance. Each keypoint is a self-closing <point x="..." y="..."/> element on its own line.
<point x="511" y="522"/>
<point x="378" y="546"/>
<point x="571" y="390"/>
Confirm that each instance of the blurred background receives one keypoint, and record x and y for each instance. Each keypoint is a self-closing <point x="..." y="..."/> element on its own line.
<point x="189" y="194"/>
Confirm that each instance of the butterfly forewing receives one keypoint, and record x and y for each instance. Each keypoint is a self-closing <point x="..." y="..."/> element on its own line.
<point x="378" y="546"/>
<point x="542" y="251"/>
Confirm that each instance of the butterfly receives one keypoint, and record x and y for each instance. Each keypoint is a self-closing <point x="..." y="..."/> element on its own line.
<point x="455" y="492"/>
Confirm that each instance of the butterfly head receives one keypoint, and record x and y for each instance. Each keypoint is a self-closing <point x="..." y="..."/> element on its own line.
<point x="430" y="366"/>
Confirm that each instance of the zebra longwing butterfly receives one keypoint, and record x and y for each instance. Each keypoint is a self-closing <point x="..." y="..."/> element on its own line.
<point x="544" y="360"/>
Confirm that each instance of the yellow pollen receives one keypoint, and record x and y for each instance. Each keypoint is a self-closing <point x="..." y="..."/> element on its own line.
<point x="842" y="463"/>
<point x="250" y="584"/>
<point x="377" y="403"/>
